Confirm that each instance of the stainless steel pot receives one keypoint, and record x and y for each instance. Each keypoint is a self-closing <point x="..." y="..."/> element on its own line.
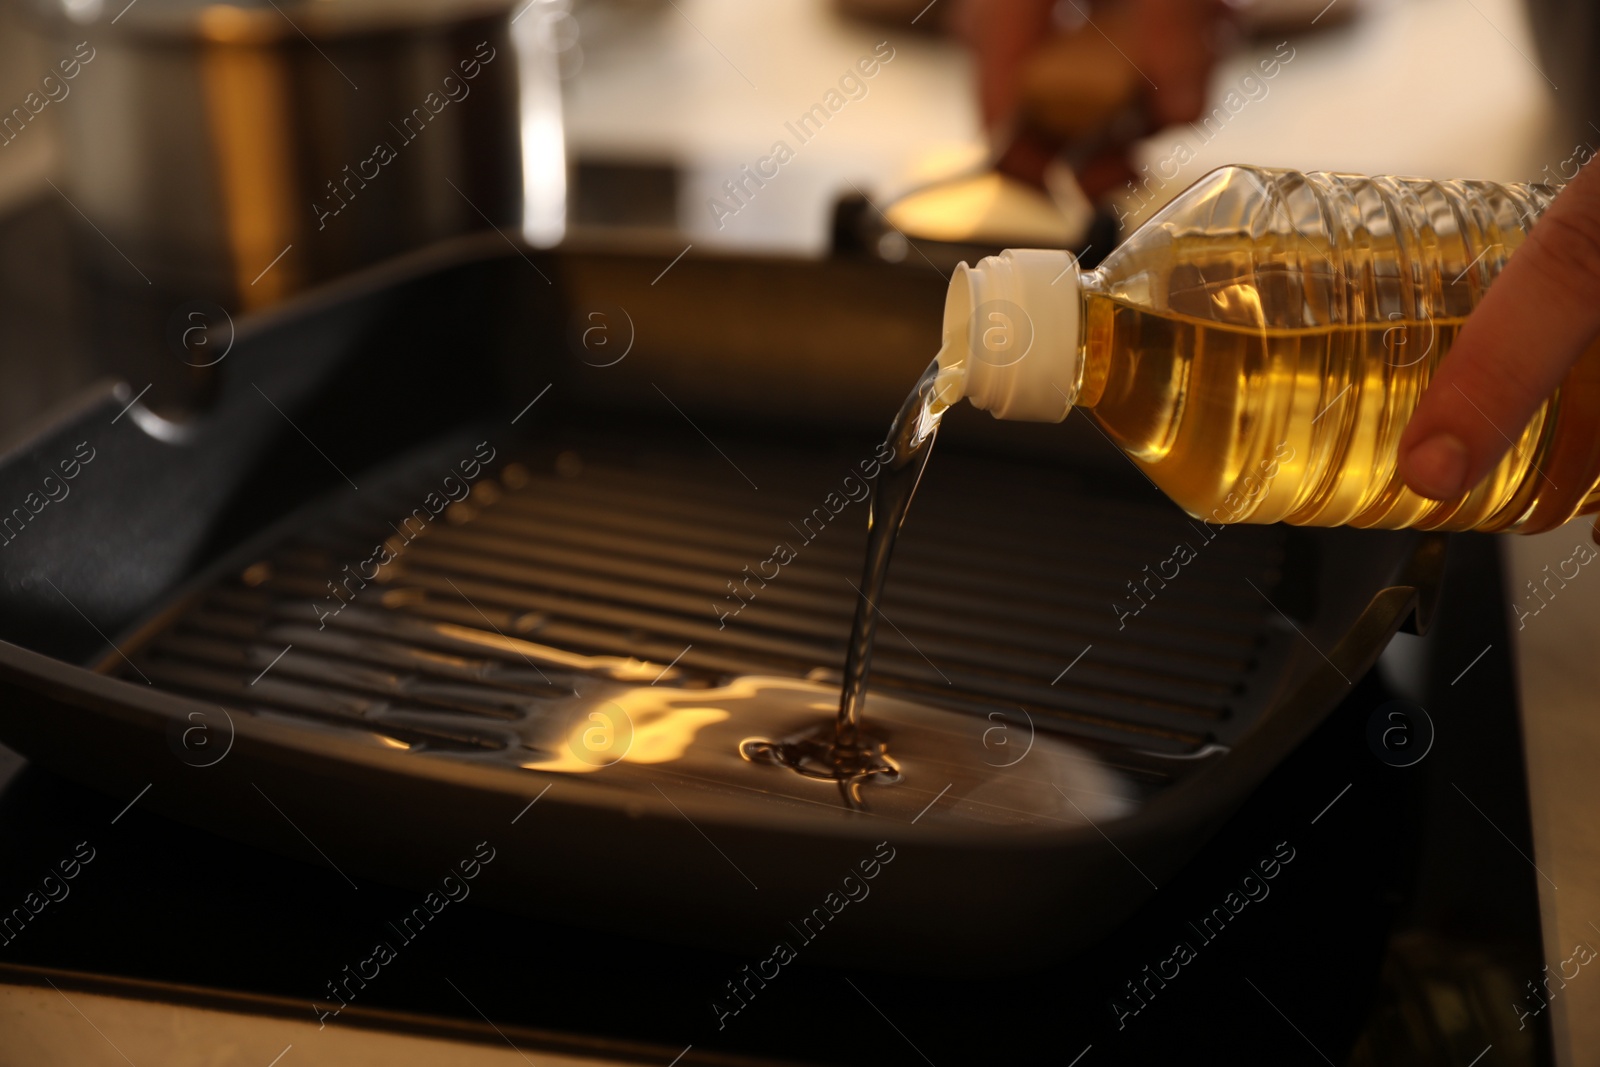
<point x="244" y="151"/>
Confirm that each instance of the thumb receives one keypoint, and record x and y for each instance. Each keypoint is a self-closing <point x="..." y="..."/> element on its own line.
<point x="1513" y="351"/>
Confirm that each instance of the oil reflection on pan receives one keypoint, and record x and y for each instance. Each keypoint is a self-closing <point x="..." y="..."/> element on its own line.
<point x="693" y="737"/>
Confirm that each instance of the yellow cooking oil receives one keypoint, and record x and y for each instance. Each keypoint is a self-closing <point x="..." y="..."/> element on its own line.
<point x="1281" y="425"/>
<point x="1258" y="346"/>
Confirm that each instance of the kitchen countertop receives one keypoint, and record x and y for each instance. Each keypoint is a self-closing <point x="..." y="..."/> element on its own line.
<point x="1556" y="632"/>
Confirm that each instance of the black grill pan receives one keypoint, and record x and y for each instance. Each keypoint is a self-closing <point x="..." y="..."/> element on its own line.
<point x="160" y="595"/>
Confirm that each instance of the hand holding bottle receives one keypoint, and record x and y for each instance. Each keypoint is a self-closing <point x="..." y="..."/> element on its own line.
<point x="1534" y="323"/>
<point x="1253" y="348"/>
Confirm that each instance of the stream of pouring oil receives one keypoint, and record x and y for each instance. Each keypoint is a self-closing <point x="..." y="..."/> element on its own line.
<point x="852" y="752"/>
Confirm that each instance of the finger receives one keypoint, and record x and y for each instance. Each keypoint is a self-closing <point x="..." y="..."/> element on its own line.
<point x="1002" y="33"/>
<point x="1176" y="52"/>
<point x="1074" y="86"/>
<point x="1517" y="345"/>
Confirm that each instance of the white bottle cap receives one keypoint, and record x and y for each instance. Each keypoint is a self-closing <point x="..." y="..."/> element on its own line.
<point x="1011" y="342"/>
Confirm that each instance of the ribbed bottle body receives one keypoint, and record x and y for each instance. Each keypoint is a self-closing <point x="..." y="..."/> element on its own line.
<point x="1259" y="345"/>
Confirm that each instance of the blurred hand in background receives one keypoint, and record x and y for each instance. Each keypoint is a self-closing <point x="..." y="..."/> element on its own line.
<point x="1085" y="80"/>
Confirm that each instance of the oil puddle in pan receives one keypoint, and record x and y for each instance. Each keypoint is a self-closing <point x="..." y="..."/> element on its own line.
<point x="639" y="738"/>
<point x="645" y="729"/>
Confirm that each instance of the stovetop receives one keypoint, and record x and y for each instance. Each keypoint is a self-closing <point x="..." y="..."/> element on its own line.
<point x="1397" y="925"/>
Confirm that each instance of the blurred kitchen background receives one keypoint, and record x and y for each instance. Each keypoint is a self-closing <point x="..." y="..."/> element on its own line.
<point x="661" y="102"/>
<point x="190" y="155"/>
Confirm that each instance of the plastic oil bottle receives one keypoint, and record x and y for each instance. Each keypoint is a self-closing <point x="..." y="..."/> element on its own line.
<point x="1258" y="346"/>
